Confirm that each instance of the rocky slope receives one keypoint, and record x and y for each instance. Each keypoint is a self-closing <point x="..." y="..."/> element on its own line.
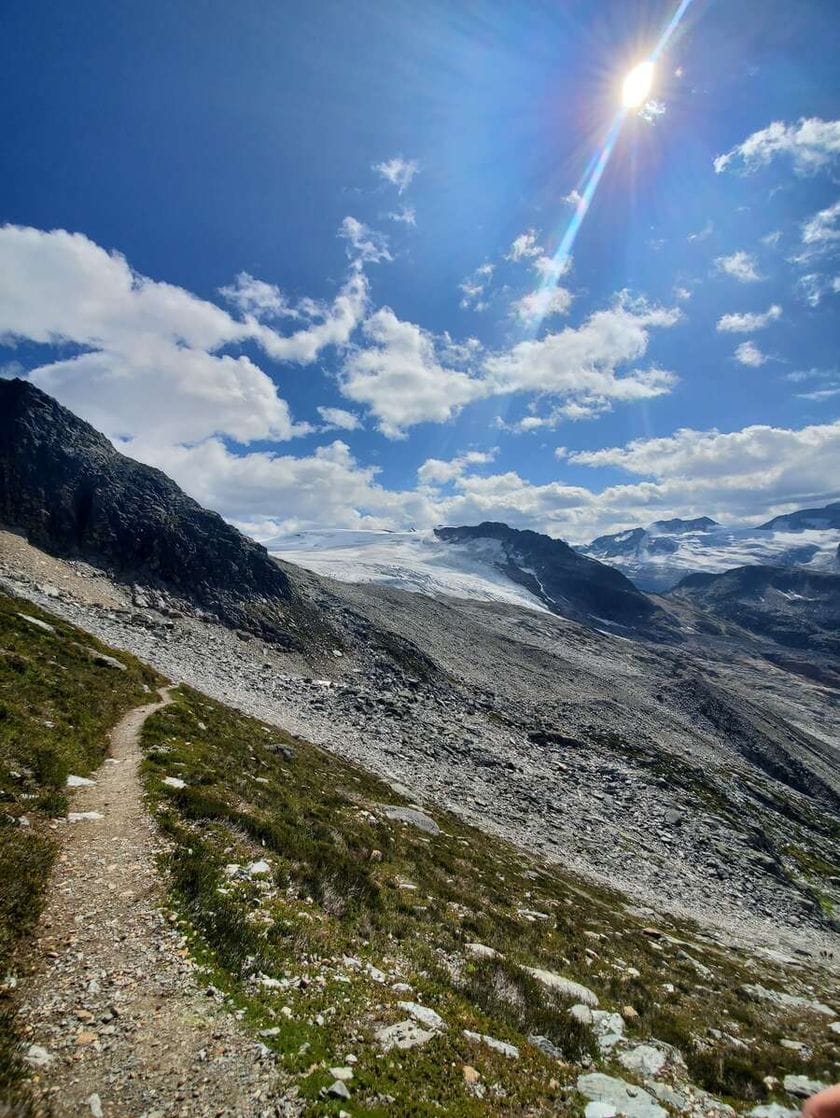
<point x="73" y="494"/>
<point x="794" y="607"/>
<point x="659" y="556"/>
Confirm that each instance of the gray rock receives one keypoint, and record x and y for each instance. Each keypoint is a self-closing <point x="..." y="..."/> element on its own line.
<point x="509" y="1050"/>
<point x="609" y="1029"/>
<point x="95" y="1104"/>
<point x="773" y="1110"/>
<point x="801" y="1087"/>
<point x="563" y="986"/>
<point x="609" y="1095"/>
<point x="545" y="1046"/>
<point x="424" y="1015"/>
<point x="404" y="1034"/>
<point x="581" y="1013"/>
<point x="37" y="1057"/>
<point x="482" y="951"/>
<point x="411" y="816"/>
<point x="644" y="1059"/>
<point x="790" y="1001"/>
<point x="338" y="1090"/>
<point x="37" y="622"/>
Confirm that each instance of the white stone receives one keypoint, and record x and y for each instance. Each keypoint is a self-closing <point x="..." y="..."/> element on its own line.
<point x="609" y="1029"/>
<point x="564" y="986"/>
<point x="644" y="1059"/>
<point x="79" y="781"/>
<point x="174" y="782"/>
<point x="37" y="1057"/>
<point x="84" y="816"/>
<point x="411" y="816"/>
<point x="344" y="1074"/>
<point x="254" y="869"/>
<point x="404" y="1034"/>
<point x="95" y="1104"/>
<point x="581" y="1013"/>
<point x="801" y="1087"/>
<point x="423" y="1014"/>
<point x="623" y="1098"/>
<point x="482" y="951"/>
<point x="509" y="1050"/>
<point x="37" y="623"/>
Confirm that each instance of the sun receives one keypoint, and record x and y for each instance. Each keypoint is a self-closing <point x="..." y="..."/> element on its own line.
<point x="637" y="85"/>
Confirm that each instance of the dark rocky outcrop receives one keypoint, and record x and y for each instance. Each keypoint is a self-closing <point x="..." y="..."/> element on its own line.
<point x="793" y="606"/>
<point x="64" y="485"/>
<point x="570" y="584"/>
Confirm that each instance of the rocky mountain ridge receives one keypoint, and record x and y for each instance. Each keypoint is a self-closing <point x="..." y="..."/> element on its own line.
<point x="656" y="558"/>
<point x="73" y="494"/>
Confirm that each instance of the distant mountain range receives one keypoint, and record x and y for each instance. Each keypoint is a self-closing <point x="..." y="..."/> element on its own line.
<point x="65" y="486"/>
<point x="487" y="562"/>
<point x="658" y="557"/>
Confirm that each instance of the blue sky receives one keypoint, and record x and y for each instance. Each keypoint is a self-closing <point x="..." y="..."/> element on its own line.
<point x="292" y="254"/>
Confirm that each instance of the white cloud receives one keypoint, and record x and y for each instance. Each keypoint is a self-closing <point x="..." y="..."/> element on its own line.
<point x="823" y="228"/>
<point x="702" y="234"/>
<point x="815" y="285"/>
<point x="542" y="304"/>
<point x="747" y="323"/>
<point x="524" y="247"/>
<point x="740" y="266"/>
<point x="150" y="349"/>
<point x="573" y="198"/>
<point x="398" y="171"/>
<point x="400" y="378"/>
<point x="437" y="471"/>
<point x="683" y="294"/>
<point x="748" y="353"/>
<point x="811" y="145"/>
<point x="582" y="363"/>
<point x="257" y="298"/>
<point x="551" y="269"/>
<point x="651" y="111"/>
<point x="406" y="215"/>
<point x="473" y="289"/>
<point x="339" y="418"/>
<point x="365" y="245"/>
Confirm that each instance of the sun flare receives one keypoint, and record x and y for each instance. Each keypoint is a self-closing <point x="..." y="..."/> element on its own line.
<point x="637" y="85"/>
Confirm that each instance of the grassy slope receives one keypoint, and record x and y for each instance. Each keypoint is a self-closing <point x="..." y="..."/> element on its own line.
<point x="57" y="704"/>
<point x="347" y="886"/>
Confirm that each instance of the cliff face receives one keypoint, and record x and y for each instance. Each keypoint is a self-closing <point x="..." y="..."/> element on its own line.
<point x="74" y="495"/>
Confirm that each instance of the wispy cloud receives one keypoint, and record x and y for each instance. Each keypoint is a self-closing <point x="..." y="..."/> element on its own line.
<point x="474" y="288"/>
<point x="398" y="171"/>
<point x="812" y="144"/>
<point x="747" y="323"/>
<point x="365" y="245"/>
<point x="407" y="215"/>
<point x="524" y="247"/>
<point x="339" y="419"/>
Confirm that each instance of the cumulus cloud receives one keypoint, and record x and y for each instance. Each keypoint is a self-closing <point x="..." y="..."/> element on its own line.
<point x="542" y="304"/>
<point x="747" y="323"/>
<point x="339" y="418"/>
<point x="150" y="351"/>
<point x="811" y="145"/>
<point x="398" y="171"/>
<point x="740" y="266"/>
<point x="399" y="376"/>
<point x="438" y="471"/>
<point x="583" y="362"/>
<point x="748" y="353"/>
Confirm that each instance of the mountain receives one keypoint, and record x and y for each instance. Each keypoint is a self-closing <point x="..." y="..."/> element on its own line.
<point x="487" y="562"/>
<point x="64" y="485"/>
<point x="798" y="608"/>
<point x="658" y="557"/>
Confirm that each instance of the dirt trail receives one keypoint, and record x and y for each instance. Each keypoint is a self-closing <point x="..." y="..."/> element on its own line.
<point x="113" y="997"/>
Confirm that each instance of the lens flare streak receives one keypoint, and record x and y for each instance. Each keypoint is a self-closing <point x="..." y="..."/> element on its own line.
<point x="590" y="180"/>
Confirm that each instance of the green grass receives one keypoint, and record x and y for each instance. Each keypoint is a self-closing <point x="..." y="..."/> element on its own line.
<point x="57" y="704"/>
<point x="338" y="888"/>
